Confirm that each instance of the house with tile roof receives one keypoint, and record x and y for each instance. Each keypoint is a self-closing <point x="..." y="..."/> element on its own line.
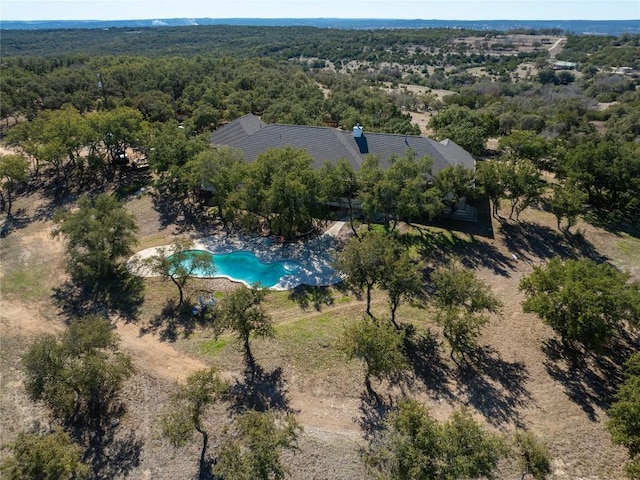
<point x="252" y="137"/>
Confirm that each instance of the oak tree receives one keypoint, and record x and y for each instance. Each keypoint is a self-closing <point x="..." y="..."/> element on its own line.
<point x="533" y="455"/>
<point x="14" y="169"/>
<point x="567" y="203"/>
<point x="378" y="345"/>
<point x="253" y="450"/>
<point x="99" y="237"/>
<point x="340" y="184"/>
<point x="364" y="261"/>
<point x="187" y="407"/>
<point x="462" y="304"/>
<point x="79" y="373"/>
<point x="454" y="183"/>
<point x="53" y="456"/>
<point x="415" y="446"/>
<point x="218" y="171"/>
<point x="582" y="300"/>
<point x="241" y="312"/>
<point x="624" y="415"/>
<point x="493" y="178"/>
<point x="180" y="262"/>
<point x="402" y="280"/>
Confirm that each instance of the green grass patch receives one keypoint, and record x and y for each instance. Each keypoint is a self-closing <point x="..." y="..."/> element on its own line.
<point x="344" y="300"/>
<point x="629" y="250"/>
<point x="154" y="241"/>
<point x="306" y="329"/>
<point x="310" y="341"/>
<point x="29" y="283"/>
<point x="213" y="347"/>
<point x="279" y="300"/>
<point x="157" y="292"/>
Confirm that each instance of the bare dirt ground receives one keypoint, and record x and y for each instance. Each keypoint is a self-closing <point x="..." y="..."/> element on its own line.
<point x="420" y="118"/>
<point x="517" y="43"/>
<point x="4" y="150"/>
<point x="520" y="381"/>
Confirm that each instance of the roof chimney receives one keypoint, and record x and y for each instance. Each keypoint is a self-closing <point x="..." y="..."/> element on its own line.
<point x="357" y="131"/>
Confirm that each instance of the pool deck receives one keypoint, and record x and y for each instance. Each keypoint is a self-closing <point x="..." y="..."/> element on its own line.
<point x="315" y="255"/>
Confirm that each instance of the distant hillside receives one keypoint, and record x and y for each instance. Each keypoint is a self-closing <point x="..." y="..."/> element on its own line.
<point x="602" y="27"/>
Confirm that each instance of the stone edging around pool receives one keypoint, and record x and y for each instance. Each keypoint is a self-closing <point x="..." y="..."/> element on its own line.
<point x="315" y="257"/>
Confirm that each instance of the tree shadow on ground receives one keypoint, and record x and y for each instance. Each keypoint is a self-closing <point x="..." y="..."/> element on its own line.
<point x="52" y="195"/>
<point x="113" y="456"/>
<point x="186" y="213"/>
<point x="305" y="295"/>
<point x="175" y="320"/>
<point x="373" y="410"/>
<point x="131" y="183"/>
<point x="46" y="204"/>
<point x="424" y="357"/>
<point x="530" y="239"/>
<point x="205" y="470"/>
<point x="110" y="451"/>
<point x="495" y="387"/>
<point x="55" y="195"/>
<point x="170" y="208"/>
<point x="16" y="221"/>
<point x="318" y="297"/>
<point x="615" y="221"/>
<point x="590" y="379"/>
<point x="51" y="190"/>
<point x="122" y="296"/>
<point x="260" y="390"/>
<point x="440" y="247"/>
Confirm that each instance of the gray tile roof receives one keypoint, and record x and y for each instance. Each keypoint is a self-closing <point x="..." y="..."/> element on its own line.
<point x="238" y="130"/>
<point x="252" y="137"/>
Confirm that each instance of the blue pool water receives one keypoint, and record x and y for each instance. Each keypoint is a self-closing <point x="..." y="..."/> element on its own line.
<point x="245" y="267"/>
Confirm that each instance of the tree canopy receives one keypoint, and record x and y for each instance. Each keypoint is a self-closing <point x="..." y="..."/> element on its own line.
<point x="241" y="312"/>
<point x="53" y="456"/>
<point x="14" y="169"/>
<point x="533" y="455"/>
<point x="180" y="262"/>
<point x="378" y="345"/>
<point x="253" y="452"/>
<point x="364" y="261"/>
<point x="465" y="127"/>
<point x="99" y="236"/>
<point x="79" y="373"/>
<point x="415" y="446"/>
<point x="280" y="193"/>
<point x="624" y="415"/>
<point x="582" y="300"/>
<point x="567" y="203"/>
<point x="462" y="304"/>
<point x="187" y="407"/>
<point x="397" y="193"/>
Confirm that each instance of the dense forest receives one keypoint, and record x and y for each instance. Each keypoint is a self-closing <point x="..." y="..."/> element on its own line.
<point x="277" y="42"/>
<point x="339" y="78"/>
<point x="93" y="118"/>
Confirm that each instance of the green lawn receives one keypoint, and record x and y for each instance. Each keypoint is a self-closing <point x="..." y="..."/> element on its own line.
<point x="27" y="283"/>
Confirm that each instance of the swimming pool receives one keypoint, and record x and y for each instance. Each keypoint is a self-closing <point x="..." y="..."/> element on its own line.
<point x="246" y="267"/>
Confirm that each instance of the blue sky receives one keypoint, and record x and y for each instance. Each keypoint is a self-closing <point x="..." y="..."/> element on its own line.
<point x="412" y="9"/>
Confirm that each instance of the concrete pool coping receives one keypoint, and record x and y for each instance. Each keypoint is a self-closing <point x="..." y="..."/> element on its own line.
<point x="315" y="256"/>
